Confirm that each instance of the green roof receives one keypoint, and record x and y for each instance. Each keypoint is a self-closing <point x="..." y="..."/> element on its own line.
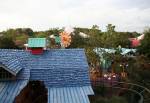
<point x="37" y="42"/>
<point x="57" y="39"/>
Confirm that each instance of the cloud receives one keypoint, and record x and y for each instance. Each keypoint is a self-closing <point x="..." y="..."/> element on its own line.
<point x="126" y="4"/>
<point x="44" y="14"/>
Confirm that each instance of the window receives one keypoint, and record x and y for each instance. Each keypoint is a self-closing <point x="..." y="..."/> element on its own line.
<point x="5" y="75"/>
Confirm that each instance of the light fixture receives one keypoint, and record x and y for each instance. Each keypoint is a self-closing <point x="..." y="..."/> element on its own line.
<point x="109" y="78"/>
<point x="105" y="75"/>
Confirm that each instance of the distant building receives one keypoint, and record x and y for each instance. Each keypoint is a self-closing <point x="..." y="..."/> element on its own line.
<point x="136" y="41"/>
<point x="83" y="35"/>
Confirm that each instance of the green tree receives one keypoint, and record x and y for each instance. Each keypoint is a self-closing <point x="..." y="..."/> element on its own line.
<point x="109" y="37"/>
<point x="52" y="31"/>
<point x="28" y="31"/>
<point x="91" y="55"/>
<point x="20" y="40"/>
<point x="11" y="33"/>
<point x="41" y="35"/>
<point x="110" y="28"/>
<point x="7" y="43"/>
<point x="144" y="48"/>
<point x="77" y="41"/>
<point x="95" y="27"/>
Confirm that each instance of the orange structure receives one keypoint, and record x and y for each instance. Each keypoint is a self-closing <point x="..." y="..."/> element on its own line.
<point x="65" y="39"/>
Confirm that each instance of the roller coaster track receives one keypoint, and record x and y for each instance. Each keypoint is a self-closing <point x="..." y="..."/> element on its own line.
<point x="117" y="85"/>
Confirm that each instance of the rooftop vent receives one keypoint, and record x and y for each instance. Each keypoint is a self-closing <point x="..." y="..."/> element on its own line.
<point x="36" y="45"/>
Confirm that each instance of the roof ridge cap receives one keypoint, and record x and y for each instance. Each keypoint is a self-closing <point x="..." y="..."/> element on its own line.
<point x="12" y="50"/>
<point x="67" y="49"/>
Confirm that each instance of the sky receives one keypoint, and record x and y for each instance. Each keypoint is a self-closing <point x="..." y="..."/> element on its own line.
<point x="126" y="15"/>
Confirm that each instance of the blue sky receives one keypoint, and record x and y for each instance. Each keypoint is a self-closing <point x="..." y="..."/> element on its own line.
<point x="127" y="15"/>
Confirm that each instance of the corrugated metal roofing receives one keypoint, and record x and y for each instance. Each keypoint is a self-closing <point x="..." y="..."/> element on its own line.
<point x="18" y="61"/>
<point x="61" y="68"/>
<point x="124" y="51"/>
<point x="56" y="67"/>
<point x="12" y="65"/>
<point x="69" y="94"/>
<point x="37" y="42"/>
<point x="10" y="89"/>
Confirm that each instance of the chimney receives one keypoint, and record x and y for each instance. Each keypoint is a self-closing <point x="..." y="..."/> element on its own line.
<point x="36" y="45"/>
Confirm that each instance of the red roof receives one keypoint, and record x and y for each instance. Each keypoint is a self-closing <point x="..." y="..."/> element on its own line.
<point x="135" y="42"/>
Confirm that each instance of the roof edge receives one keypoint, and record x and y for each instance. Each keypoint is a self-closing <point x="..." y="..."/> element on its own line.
<point x="12" y="72"/>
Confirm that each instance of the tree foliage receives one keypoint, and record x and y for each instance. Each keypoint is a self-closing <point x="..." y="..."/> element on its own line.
<point x="7" y="43"/>
<point x="145" y="44"/>
<point x="110" y="29"/>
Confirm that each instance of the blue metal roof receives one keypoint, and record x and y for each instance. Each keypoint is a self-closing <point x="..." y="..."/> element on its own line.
<point x="14" y="61"/>
<point x="10" y="89"/>
<point x="10" y="64"/>
<point x="58" y="68"/>
<point x="69" y="94"/>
